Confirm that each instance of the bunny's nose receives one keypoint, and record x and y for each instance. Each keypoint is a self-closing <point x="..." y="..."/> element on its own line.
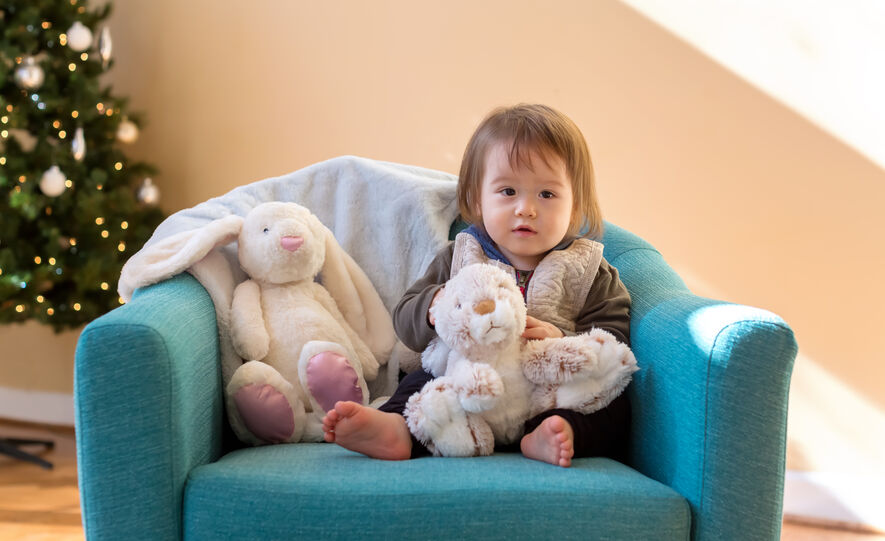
<point x="483" y="307"/>
<point x="291" y="243"/>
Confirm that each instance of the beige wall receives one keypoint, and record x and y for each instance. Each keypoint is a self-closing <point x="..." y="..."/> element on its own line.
<point x="747" y="200"/>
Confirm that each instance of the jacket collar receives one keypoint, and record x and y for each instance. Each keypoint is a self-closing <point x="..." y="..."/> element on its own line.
<point x="491" y="249"/>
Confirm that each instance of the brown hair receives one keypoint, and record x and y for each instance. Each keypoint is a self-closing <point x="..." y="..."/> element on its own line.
<point x="542" y="130"/>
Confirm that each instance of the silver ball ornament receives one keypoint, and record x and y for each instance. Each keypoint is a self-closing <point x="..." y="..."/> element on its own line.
<point x="148" y="193"/>
<point x="52" y="183"/>
<point x="127" y="131"/>
<point x="29" y="75"/>
<point x="79" y="37"/>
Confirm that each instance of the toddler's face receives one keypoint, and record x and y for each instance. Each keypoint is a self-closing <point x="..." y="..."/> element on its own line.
<point x="525" y="211"/>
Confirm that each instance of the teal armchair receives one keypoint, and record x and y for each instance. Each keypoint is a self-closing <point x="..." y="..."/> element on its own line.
<point x="157" y="460"/>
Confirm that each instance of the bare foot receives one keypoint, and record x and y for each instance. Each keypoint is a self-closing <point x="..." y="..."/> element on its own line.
<point x="552" y="442"/>
<point x="368" y="431"/>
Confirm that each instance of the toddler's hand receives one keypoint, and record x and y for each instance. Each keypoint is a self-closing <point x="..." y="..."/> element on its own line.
<point x="535" y="329"/>
<point x="430" y="318"/>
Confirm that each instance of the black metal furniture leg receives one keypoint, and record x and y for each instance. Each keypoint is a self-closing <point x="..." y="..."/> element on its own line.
<point x="10" y="446"/>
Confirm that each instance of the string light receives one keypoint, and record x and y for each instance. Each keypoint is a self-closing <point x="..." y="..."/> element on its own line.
<point x="104" y="286"/>
<point x="4" y="134"/>
<point x="118" y="166"/>
<point x="37" y="260"/>
<point x="20" y="308"/>
<point x="9" y="108"/>
<point x="63" y="39"/>
<point x="22" y="179"/>
<point x="62" y="134"/>
<point x="72" y="66"/>
<point x="69" y="183"/>
<point x="73" y="241"/>
<point x="76" y="306"/>
<point x="120" y="300"/>
<point x="50" y="311"/>
<point x="84" y="56"/>
<point x="46" y="25"/>
<point x="52" y="261"/>
<point x="75" y="114"/>
<point x="4" y="119"/>
<point x="104" y="234"/>
<point x="2" y="160"/>
<point x="55" y="124"/>
<point x="124" y="225"/>
<point x="99" y="221"/>
<point x="121" y="247"/>
<point x="40" y="299"/>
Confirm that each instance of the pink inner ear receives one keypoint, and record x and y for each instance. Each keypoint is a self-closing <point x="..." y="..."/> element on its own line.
<point x="291" y="243"/>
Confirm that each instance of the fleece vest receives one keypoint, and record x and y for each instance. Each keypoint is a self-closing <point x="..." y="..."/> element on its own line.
<point x="561" y="281"/>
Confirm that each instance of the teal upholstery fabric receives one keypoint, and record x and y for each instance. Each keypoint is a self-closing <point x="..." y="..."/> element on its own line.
<point x="148" y="400"/>
<point x="710" y="399"/>
<point x="322" y="491"/>
<point x="708" y="436"/>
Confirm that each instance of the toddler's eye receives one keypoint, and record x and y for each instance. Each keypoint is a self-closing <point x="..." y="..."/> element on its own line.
<point x="508" y="192"/>
<point x="458" y="306"/>
<point x="266" y="230"/>
<point x="547" y="194"/>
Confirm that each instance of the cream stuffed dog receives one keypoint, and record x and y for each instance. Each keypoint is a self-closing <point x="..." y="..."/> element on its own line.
<point x="489" y="380"/>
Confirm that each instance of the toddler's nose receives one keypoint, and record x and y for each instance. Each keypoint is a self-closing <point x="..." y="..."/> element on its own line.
<point x="484" y="307"/>
<point x="291" y="243"/>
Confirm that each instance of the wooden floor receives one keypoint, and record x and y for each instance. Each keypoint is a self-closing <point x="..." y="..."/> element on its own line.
<point x="39" y="504"/>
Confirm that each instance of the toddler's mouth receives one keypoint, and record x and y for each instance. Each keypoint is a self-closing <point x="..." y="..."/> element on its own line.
<point x="524" y="230"/>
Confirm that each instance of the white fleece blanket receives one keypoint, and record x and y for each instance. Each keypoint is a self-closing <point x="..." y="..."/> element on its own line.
<point x="392" y="219"/>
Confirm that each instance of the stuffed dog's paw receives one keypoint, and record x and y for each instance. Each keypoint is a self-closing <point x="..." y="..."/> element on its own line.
<point x="478" y="385"/>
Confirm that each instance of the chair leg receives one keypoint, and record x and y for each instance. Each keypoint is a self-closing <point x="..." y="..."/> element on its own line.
<point x="10" y="446"/>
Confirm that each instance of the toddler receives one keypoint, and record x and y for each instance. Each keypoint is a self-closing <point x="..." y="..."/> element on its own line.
<point x="526" y="185"/>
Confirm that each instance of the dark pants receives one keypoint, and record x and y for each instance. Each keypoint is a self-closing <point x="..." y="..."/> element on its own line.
<point x="601" y="433"/>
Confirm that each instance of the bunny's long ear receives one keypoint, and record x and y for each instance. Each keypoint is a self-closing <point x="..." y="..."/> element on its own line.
<point x="175" y="253"/>
<point x="357" y="299"/>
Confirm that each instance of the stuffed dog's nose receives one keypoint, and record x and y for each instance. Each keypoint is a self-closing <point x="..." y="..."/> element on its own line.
<point x="483" y="307"/>
<point x="291" y="243"/>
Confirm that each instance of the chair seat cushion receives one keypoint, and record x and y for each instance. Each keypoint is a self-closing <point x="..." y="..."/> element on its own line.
<point x="322" y="491"/>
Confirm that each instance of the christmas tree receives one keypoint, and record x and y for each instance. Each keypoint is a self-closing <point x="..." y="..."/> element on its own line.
<point x="72" y="207"/>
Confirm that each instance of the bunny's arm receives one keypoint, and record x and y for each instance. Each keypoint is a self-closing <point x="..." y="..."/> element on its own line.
<point x="248" y="331"/>
<point x="365" y="357"/>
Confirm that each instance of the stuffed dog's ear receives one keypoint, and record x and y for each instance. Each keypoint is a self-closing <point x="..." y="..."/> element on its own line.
<point x="357" y="299"/>
<point x="176" y="253"/>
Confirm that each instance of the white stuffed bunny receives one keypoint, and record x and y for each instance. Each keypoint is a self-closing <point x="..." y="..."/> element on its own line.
<point x="307" y="344"/>
<point x="489" y="380"/>
<point x="302" y="349"/>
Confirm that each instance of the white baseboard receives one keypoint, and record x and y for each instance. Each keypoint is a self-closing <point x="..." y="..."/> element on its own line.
<point x="37" y="406"/>
<point x="838" y="499"/>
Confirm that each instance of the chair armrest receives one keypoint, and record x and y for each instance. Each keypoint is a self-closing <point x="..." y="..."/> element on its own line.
<point x="710" y="411"/>
<point x="148" y="401"/>
<point x="710" y="399"/>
